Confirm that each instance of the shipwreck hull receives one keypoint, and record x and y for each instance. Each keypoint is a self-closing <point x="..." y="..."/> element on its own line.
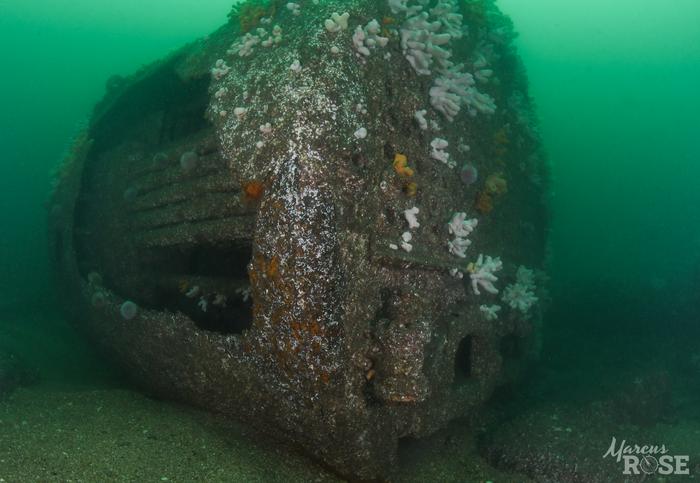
<point x="256" y="270"/>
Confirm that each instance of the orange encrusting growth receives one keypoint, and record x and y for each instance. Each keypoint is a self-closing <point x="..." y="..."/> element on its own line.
<point x="273" y="268"/>
<point x="484" y="203"/>
<point x="253" y="190"/>
<point x="496" y="184"/>
<point x="401" y="165"/>
<point x="297" y="338"/>
<point x="501" y="141"/>
<point x="411" y="189"/>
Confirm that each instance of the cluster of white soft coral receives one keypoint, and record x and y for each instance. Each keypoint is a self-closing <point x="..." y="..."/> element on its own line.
<point x="482" y="273"/>
<point x="368" y="38"/>
<point x="245" y="46"/>
<point x="426" y="35"/>
<point x="490" y="311"/>
<point x="521" y="294"/>
<point x="461" y="228"/>
<point x="454" y="89"/>
<point x="422" y="43"/>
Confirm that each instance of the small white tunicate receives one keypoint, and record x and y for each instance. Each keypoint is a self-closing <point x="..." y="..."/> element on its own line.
<point x="335" y="50"/>
<point x="411" y="217"/>
<point x="160" y="159"/>
<point x="361" y="133"/>
<point x="188" y="160"/>
<point x="337" y="22"/>
<point x="220" y="69"/>
<point x="294" y="8"/>
<point x="203" y="304"/>
<point x="419" y="116"/>
<point x="128" y="310"/>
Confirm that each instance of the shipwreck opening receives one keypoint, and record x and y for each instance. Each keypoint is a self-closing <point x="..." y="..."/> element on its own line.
<point x="209" y="283"/>
<point x="463" y="360"/>
<point x="408" y="447"/>
<point x="369" y="392"/>
<point x="168" y="238"/>
<point x="203" y="260"/>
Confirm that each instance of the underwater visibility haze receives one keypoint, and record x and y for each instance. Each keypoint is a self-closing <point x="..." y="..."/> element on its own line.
<point x="368" y="240"/>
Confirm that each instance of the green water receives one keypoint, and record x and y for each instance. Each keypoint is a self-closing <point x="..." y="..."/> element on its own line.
<point x="616" y="89"/>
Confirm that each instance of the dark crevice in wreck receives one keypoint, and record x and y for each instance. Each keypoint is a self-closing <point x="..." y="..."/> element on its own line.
<point x="463" y="360"/>
<point x="383" y="317"/>
<point x="386" y="309"/>
<point x="208" y="283"/>
<point x="369" y="392"/>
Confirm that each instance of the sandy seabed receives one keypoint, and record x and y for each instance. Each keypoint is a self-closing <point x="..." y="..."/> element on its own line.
<point x="84" y="434"/>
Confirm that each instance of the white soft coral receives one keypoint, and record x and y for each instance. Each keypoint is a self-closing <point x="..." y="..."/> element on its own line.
<point x="521" y="294"/>
<point x="482" y="274"/>
<point x="490" y="311"/>
<point x="461" y="228"/>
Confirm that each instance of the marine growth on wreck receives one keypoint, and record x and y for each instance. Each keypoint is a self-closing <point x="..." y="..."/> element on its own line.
<point x="327" y="218"/>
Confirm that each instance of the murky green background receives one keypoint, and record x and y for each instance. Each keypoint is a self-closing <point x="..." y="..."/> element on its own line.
<point x="616" y="85"/>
